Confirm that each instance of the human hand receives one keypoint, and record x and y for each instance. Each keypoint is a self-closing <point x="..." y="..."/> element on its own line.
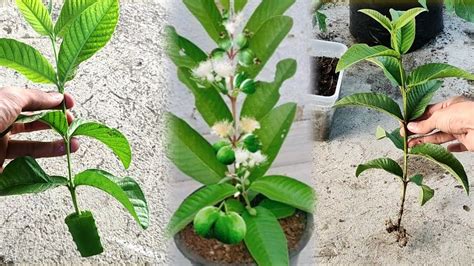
<point x="13" y="101"/>
<point x="452" y="120"/>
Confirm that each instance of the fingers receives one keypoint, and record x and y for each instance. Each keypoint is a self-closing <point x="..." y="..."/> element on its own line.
<point x="442" y="105"/>
<point x="39" y="149"/>
<point x="423" y="127"/>
<point x="36" y="126"/>
<point x="3" y="150"/>
<point x="457" y="147"/>
<point x="37" y="100"/>
<point x="437" y="138"/>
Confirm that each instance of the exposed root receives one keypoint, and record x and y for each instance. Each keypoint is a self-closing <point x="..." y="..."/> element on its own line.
<point x="399" y="231"/>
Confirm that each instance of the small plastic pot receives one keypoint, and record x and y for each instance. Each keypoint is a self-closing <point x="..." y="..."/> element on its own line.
<point x="366" y="30"/>
<point x="321" y="107"/>
<point x="84" y="233"/>
<point x="198" y="260"/>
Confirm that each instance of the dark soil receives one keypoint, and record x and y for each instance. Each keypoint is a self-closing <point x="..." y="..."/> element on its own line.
<point x="213" y="250"/>
<point x="400" y="233"/>
<point x="325" y="78"/>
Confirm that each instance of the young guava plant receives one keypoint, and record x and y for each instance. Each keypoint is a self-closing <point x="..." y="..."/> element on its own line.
<point x="417" y="89"/>
<point x="82" y="28"/>
<point x="237" y="201"/>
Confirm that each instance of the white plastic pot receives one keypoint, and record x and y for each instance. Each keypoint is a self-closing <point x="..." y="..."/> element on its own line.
<point x="321" y="107"/>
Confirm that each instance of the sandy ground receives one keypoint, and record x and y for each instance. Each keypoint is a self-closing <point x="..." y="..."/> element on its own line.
<point x="352" y="211"/>
<point x="124" y="87"/>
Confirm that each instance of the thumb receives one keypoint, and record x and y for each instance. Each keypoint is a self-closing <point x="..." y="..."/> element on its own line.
<point x="423" y="127"/>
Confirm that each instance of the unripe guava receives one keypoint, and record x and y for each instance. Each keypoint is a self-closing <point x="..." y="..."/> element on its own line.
<point x="205" y="220"/>
<point x="226" y="155"/>
<point x="230" y="228"/>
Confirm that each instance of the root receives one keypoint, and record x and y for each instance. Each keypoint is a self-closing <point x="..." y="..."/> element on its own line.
<point x="400" y="232"/>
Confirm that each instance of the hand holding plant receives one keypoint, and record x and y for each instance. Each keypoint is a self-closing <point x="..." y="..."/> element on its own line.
<point x="417" y="88"/>
<point x="82" y="29"/>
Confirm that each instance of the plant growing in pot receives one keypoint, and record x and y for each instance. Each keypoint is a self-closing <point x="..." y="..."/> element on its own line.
<point x="417" y="88"/>
<point x="238" y="204"/>
<point x="82" y="29"/>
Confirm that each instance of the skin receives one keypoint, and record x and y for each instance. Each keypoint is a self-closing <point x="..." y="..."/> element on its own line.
<point x="14" y="101"/>
<point x="449" y="121"/>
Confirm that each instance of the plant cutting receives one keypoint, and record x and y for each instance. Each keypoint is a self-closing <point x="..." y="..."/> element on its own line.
<point x="417" y="89"/>
<point x="238" y="204"/>
<point x="81" y="30"/>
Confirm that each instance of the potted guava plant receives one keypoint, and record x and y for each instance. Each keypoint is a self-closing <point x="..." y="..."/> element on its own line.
<point x="417" y="88"/>
<point x="240" y="216"/>
<point x="82" y="29"/>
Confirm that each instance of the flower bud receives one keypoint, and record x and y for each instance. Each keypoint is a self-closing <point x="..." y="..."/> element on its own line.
<point x="226" y="155"/>
<point x="241" y="41"/>
<point x="239" y="79"/>
<point x="218" y="53"/>
<point x="248" y="86"/>
<point x="252" y="211"/>
<point x="225" y="44"/>
<point x="246" y="57"/>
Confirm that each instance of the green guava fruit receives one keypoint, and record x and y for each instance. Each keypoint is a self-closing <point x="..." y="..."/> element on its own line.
<point x="220" y="144"/>
<point x="226" y="155"/>
<point x="230" y="228"/>
<point x="205" y="219"/>
<point x="246" y="57"/>
<point x="252" y="143"/>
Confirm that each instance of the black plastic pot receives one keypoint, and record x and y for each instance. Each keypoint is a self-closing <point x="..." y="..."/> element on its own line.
<point x="197" y="260"/>
<point x="366" y="30"/>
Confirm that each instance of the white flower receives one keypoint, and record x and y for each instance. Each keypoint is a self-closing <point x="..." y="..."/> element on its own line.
<point x="204" y="70"/>
<point x="223" y="129"/>
<point x="249" y="125"/>
<point x="258" y="158"/>
<point x="241" y="157"/>
<point x="234" y="23"/>
<point x="224" y="67"/>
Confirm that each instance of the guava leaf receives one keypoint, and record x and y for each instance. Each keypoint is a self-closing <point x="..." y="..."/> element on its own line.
<point x="360" y="52"/>
<point x="280" y="210"/>
<point x="320" y="20"/>
<point x="53" y="118"/>
<point x="26" y="60"/>
<point x="386" y="164"/>
<point x="390" y="67"/>
<point x="426" y="193"/>
<point x="406" y="37"/>
<point x="69" y="12"/>
<point x="266" y="40"/>
<point x="463" y="8"/>
<point x="37" y="15"/>
<point x="207" y="13"/>
<point x="265" y="11"/>
<point x="394" y="136"/>
<point x="257" y="105"/>
<point x="191" y="153"/>
<point x="420" y="97"/>
<point x="439" y="155"/>
<point x="87" y="34"/>
<point x="423" y="3"/>
<point x="205" y="196"/>
<point x="265" y="238"/>
<point x="377" y="16"/>
<point x="407" y="17"/>
<point x="275" y="127"/>
<point x="125" y="190"/>
<point x="286" y="190"/>
<point x="434" y="71"/>
<point x="239" y="5"/>
<point x="25" y="176"/>
<point x="377" y="101"/>
<point x="208" y="101"/>
<point x="181" y="51"/>
<point x="111" y="137"/>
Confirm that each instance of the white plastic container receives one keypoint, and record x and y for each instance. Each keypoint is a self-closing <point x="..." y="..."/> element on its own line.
<point x="321" y="107"/>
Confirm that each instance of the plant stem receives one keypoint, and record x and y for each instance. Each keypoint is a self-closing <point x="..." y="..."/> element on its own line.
<point x="405" y="146"/>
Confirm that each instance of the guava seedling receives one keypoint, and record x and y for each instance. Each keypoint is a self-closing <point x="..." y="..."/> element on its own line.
<point x="417" y="87"/>
<point x="248" y="137"/>
<point x="81" y="30"/>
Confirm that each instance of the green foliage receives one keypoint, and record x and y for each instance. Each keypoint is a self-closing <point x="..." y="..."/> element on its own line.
<point x="280" y="210"/>
<point x="394" y="136"/>
<point x="360" y="52"/>
<point x="386" y="164"/>
<point x="70" y="11"/>
<point x="377" y="101"/>
<point x="265" y="11"/>
<point x="435" y="71"/>
<point x="55" y="119"/>
<point x="181" y="51"/>
<point x="426" y="193"/>
<point x="420" y="97"/>
<point x="37" y="16"/>
<point x="208" y="15"/>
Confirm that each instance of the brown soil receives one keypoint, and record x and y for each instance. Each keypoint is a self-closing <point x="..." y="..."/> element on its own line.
<point x="325" y="79"/>
<point x="213" y="250"/>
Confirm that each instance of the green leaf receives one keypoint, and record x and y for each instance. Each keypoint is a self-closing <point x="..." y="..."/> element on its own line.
<point x="125" y="190"/>
<point x="395" y="137"/>
<point x="377" y="101"/>
<point x="265" y="238"/>
<point x="445" y="159"/>
<point x="407" y="17"/>
<point x="234" y="205"/>
<point x="87" y="34"/>
<point x="280" y="210"/>
<point x="69" y="12"/>
<point x="111" y="137"/>
<point x="426" y="193"/>
<point x="25" y="176"/>
<point x="377" y="16"/>
<point x="360" y="52"/>
<point x="239" y="5"/>
<point x="181" y="51"/>
<point x="266" y="40"/>
<point x="420" y="97"/>
<point x="208" y="101"/>
<point x="433" y="71"/>
<point x="390" y="67"/>
<point x="205" y="196"/>
<point x="463" y="8"/>
<point x="286" y="190"/>
<point x="258" y="105"/>
<point x="386" y="164"/>
<point x="26" y="60"/>
<point x="275" y="127"/>
<point x="423" y="3"/>
<point x="55" y="119"/>
<point x="192" y="154"/>
<point x="37" y="15"/>
<point x="405" y="37"/>
<point x="209" y="16"/>
<point x="320" y="20"/>
<point x="267" y="10"/>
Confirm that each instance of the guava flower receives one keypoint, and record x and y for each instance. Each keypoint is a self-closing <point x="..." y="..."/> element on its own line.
<point x="241" y="157"/>
<point x="224" y="67"/>
<point x="248" y="125"/>
<point x="258" y="158"/>
<point x="223" y="129"/>
<point x="204" y="71"/>
<point x="234" y="23"/>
